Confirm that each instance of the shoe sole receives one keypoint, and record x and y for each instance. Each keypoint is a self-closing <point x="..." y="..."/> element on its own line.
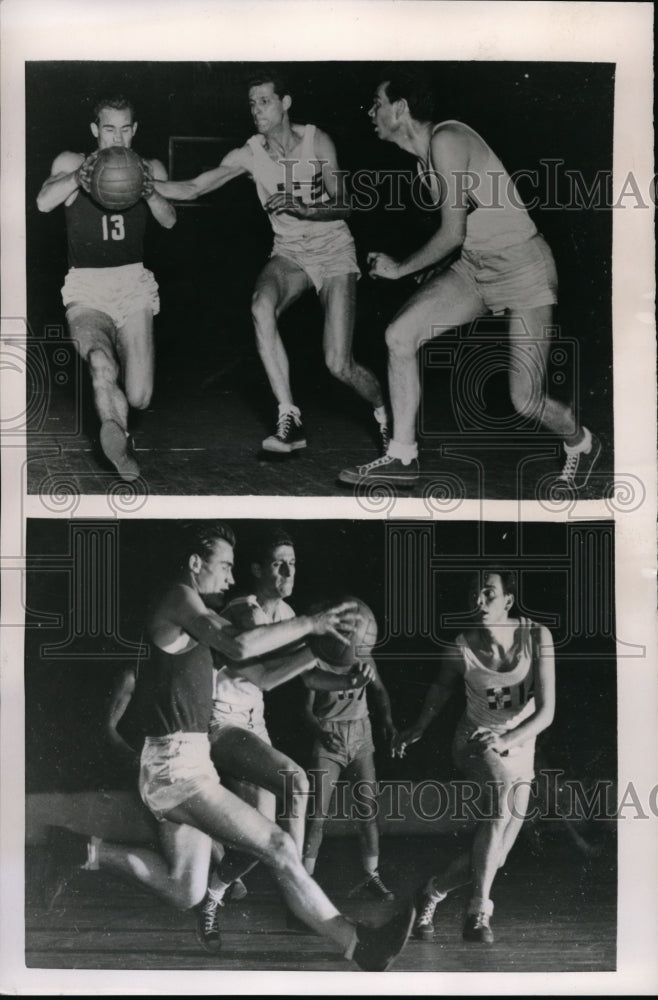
<point x="354" y="479"/>
<point x="423" y="933"/>
<point x="236" y="893"/>
<point x="269" y="444"/>
<point x="115" y="449"/>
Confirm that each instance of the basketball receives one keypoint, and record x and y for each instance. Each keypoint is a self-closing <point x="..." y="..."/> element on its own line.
<point x="117" y="178"/>
<point x="341" y="657"/>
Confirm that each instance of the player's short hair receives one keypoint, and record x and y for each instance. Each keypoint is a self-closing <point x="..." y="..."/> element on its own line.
<point x="199" y="538"/>
<point x="117" y="102"/>
<point x="416" y="90"/>
<point x="265" y="542"/>
<point x="508" y="579"/>
<point x="279" y="83"/>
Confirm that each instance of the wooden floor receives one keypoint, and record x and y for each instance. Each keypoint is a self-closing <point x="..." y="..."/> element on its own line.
<point x="553" y="914"/>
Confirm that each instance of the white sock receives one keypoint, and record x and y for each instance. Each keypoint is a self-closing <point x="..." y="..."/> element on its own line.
<point x="480" y="905"/>
<point x="584" y="445"/>
<point x="405" y="452"/>
<point x="217" y="888"/>
<point x="92" y="863"/>
<point x="370" y="864"/>
<point x="289" y="408"/>
<point x="380" y="415"/>
<point x="435" y="894"/>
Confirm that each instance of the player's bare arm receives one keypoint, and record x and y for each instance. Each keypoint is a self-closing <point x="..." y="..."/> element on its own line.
<point x="544" y="694"/>
<point x="449" y="161"/>
<point x="333" y="180"/>
<point x="120" y="697"/>
<point x="382" y="703"/>
<point x="438" y="694"/>
<point x="63" y="183"/>
<point x="235" y="164"/>
<point x="161" y="209"/>
<point x="325" y="680"/>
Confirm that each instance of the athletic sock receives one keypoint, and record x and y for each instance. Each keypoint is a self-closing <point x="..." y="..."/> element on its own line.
<point x="217" y="888"/>
<point x="380" y="415"/>
<point x="289" y="408"/>
<point x="92" y="863"/>
<point x="435" y="894"/>
<point x="370" y="864"/>
<point x="585" y="443"/>
<point x="479" y="904"/>
<point x="405" y="452"/>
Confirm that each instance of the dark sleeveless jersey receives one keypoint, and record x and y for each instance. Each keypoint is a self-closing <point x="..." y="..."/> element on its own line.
<point x="100" y="237"/>
<point x="183" y="685"/>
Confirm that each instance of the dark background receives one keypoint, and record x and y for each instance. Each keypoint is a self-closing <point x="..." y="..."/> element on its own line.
<point x="66" y="696"/>
<point x="207" y="264"/>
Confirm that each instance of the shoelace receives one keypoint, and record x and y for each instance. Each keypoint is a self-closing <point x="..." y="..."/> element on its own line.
<point x="209" y="916"/>
<point x="427" y="913"/>
<point x="283" y="425"/>
<point x="570" y="466"/>
<point x="481" y="920"/>
<point x="377" y="882"/>
<point x="376" y="464"/>
<point x="385" y="436"/>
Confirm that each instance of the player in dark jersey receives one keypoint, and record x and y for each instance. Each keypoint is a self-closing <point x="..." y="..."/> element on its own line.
<point x="110" y="297"/>
<point x="178" y="781"/>
<point x="506" y="666"/>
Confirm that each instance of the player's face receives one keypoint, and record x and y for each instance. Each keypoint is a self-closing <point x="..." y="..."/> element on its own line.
<point x="492" y="602"/>
<point x="114" y="128"/>
<point x="215" y="574"/>
<point x="276" y="578"/>
<point x="382" y="114"/>
<point x="267" y="108"/>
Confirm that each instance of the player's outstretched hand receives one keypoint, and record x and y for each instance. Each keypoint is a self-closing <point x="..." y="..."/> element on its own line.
<point x="383" y="266"/>
<point x="278" y="203"/>
<point x="147" y="185"/>
<point x="338" y="621"/>
<point x="404" y="739"/>
<point x="85" y="171"/>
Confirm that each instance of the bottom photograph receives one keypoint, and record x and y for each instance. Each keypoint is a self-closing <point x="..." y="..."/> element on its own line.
<point x="320" y="745"/>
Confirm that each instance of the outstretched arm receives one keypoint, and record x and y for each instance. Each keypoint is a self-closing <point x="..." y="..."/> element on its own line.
<point x="449" y="164"/>
<point x="383" y="708"/>
<point x="438" y="694"/>
<point x="161" y="209"/>
<point x="325" y="680"/>
<point x="64" y="181"/>
<point x="233" y="165"/>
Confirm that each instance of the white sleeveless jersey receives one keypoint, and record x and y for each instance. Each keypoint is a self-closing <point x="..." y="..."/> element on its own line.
<point x="238" y="692"/>
<point x="500" y="700"/>
<point x="496" y="216"/>
<point x="300" y="175"/>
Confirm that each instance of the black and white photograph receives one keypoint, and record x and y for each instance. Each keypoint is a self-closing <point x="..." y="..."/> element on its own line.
<point x="329" y="494"/>
<point x="430" y="299"/>
<point x="378" y="716"/>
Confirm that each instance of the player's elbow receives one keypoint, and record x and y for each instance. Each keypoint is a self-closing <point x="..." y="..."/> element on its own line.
<point x="43" y="203"/>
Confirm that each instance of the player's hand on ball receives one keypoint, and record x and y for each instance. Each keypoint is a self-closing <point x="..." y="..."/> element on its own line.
<point x="85" y="171"/>
<point x="287" y="203"/>
<point x="147" y="187"/>
<point x="339" y="621"/>
<point x="383" y="266"/>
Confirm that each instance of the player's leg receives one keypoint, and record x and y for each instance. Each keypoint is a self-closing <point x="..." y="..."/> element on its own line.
<point x="324" y="773"/>
<point x="444" y="302"/>
<point x="338" y="298"/>
<point x="530" y="343"/>
<point x="248" y="758"/>
<point x="279" y="284"/>
<point x="361" y="773"/>
<point x="93" y="334"/>
<point x="137" y="356"/>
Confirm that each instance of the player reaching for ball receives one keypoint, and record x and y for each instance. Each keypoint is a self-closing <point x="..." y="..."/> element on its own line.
<point x="302" y="190"/>
<point x="337" y="714"/>
<point x="109" y="296"/>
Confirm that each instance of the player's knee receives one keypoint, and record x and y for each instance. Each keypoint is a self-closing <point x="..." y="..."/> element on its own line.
<point x="190" y="892"/>
<point x="339" y="366"/>
<point x="102" y="367"/>
<point x="262" y="310"/>
<point x="401" y="341"/>
<point x="281" y="852"/>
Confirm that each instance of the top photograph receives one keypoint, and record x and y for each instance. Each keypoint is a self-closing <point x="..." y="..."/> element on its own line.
<point x="345" y="279"/>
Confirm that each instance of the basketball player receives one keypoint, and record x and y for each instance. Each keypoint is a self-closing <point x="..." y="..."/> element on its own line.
<point x="340" y="722"/>
<point x="178" y="781"/>
<point x="110" y="297"/>
<point x="486" y="257"/>
<point x="506" y="665"/>
<point x="302" y="190"/>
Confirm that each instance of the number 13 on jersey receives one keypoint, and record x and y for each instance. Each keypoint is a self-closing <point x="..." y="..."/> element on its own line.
<point x="113" y="228"/>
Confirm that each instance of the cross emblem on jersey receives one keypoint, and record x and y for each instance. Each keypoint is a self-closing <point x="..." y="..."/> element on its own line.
<point x="313" y="186"/>
<point x="499" y="697"/>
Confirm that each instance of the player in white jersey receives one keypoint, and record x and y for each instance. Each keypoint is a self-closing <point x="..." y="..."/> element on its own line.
<point x="503" y="266"/>
<point x="301" y="188"/>
<point x="506" y="665"/>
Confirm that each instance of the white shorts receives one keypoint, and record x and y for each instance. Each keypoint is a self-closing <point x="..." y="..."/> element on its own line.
<point x="517" y="277"/>
<point x="174" y="768"/>
<point x="116" y="291"/>
<point x="225" y="717"/>
<point x="320" y="255"/>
